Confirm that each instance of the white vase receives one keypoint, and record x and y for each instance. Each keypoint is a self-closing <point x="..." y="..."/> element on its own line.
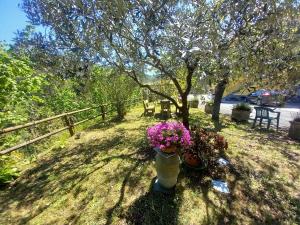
<point x="167" y="168"/>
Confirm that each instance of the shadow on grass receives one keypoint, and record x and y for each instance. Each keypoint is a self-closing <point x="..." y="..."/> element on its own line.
<point x="64" y="171"/>
<point x="278" y="140"/>
<point x="104" y="124"/>
<point x="155" y="208"/>
<point x="270" y="204"/>
<point x="203" y="120"/>
<point x="273" y="202"/>
<point x="54" y="175"/>
<point x="144" y="155"/>
<point x="255" y="179"/>
<point x="200" y="181"/>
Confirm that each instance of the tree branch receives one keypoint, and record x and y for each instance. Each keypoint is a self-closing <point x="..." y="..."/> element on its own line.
<point x="135" y="78"/>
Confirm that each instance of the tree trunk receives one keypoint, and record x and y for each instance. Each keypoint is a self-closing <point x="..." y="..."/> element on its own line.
<point x="185" y="112"/>
<point x="219" y="91"/>
<point x="120" y="109"/>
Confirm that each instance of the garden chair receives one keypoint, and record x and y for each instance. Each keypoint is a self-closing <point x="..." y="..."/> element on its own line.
<point x="165" y="108"/>
<point x="148" y="109"/>
<point x="264" y="113"/>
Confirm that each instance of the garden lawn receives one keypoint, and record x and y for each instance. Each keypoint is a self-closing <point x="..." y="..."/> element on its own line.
<point x="106" y="177"/>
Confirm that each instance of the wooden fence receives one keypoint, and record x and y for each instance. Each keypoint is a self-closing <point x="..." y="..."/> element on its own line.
<point x="67" y="119"/>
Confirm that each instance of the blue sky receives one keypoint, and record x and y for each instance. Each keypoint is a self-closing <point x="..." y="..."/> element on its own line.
<point x="12" y="18"/>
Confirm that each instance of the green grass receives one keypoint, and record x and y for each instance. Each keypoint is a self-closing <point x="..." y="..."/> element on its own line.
<point x="106" y="177"/>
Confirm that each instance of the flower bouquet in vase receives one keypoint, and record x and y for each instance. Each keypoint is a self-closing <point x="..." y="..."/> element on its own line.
<point x="168" y="139"/>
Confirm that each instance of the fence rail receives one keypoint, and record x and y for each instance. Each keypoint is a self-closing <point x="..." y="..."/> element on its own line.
<point x="67" y="120"/>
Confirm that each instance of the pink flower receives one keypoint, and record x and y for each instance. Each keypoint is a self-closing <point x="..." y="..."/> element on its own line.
<point x="168" y="134"/>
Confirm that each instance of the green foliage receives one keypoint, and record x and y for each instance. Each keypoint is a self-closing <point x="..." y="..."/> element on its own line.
<point x="207" y="146"/>
<point x="84" y="180"/>
<point x="108" y="86"/>
<point x="296" y="116"/>
<point x="62" y="97"/>
<point x="210" y="103"/>
<point x="20" y="89"/>
<point x="21" y="96"/>
<point x="27" y="94"/>
<point x="7" y="171"/>
<point x="242" y="106"/>
<point x="8" y="174"/>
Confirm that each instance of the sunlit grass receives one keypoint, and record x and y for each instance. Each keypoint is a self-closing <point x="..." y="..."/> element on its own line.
<point x="105" y="177"/>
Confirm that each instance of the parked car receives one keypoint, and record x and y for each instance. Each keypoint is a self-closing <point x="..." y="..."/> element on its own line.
<point x="266" y="97"/>
<point x="235" y="97"/>
<point x="294" y="99"/>
<point x="255" y="96"/>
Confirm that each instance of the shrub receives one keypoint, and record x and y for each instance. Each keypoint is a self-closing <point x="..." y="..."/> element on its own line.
<point x="194" y="102"/>
<point x="194" y="99"/>
<point x="7" y="175"/>
<point x="7" y="172"/>
<point x="296" y="117"/>
<point x="242" y="106"/>
<point x="210" y="103"/>
<point x="167" y="134"/>
<point x="207" y="146"/>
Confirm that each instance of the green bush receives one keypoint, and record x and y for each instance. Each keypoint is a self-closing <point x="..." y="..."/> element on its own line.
<point x="7" y="175"/>
<point x="108" y="86"/>
<point x="194" y="103"/>
<point x="7" y="172"/>
<point x="210" y="103"/>
<point x="296" y="116"/>
<point x="207" y="145"/>
<point x="242" y="106"/>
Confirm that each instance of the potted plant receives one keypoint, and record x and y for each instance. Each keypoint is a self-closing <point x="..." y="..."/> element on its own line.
<point x="209" y="107"/>
<point x="294" y="131"/>
<point x="241" y="112"/>
<point x="168" y="139"/>
<point x="206" y="147"/>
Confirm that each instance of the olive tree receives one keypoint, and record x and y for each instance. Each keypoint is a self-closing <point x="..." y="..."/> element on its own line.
<point x="156" y="38"/>
<point x="251" y="38"/>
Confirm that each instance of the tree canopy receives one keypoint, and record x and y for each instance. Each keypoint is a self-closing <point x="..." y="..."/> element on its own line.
<point x="201" y="38"/>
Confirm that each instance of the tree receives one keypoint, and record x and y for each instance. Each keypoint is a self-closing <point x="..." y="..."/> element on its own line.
<point x="275" y="61"/>
<point x="157" y="37"/>
<point x="241" y="34"/>
<point x="135" y="37"/>
<point x="21" y="89"/>
<point x="107" y="86"/>
<point x="48" y="56"/>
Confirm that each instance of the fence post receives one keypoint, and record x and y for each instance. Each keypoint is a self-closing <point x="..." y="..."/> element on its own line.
<point x="103" y="112"/>
<point x="70" y="124"/>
